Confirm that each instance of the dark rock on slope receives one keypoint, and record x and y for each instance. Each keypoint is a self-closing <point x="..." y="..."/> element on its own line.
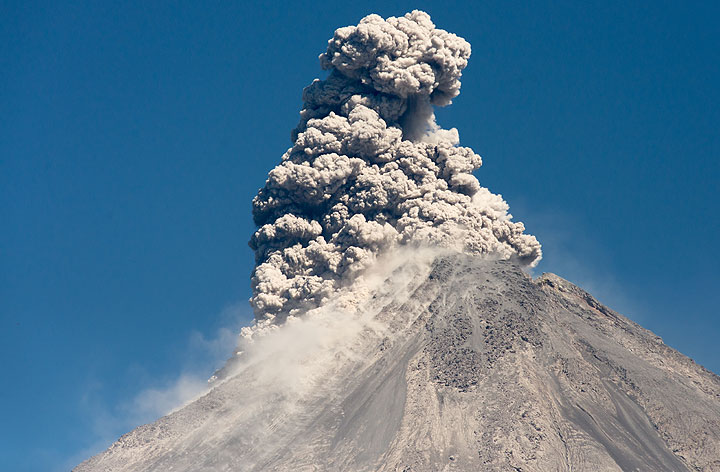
<point x="477" y="367"/>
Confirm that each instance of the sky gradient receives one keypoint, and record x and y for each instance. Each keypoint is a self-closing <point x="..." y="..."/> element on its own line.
<point x="133" y="137"/>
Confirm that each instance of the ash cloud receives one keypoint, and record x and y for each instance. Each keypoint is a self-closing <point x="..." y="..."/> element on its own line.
<point x="370" y="170"/>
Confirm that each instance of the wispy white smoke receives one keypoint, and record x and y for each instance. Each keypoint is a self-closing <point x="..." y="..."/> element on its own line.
<point x="295" y="355"/>
<point x="370" y="169"/>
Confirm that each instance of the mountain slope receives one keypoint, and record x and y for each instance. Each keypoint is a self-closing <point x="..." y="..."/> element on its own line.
<point x="468" y="365"/>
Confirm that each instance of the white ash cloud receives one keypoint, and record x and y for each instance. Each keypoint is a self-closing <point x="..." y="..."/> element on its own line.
<point x="370" y="170"/>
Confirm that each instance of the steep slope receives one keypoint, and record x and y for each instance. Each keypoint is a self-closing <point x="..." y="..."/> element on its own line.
<point x="468" y="365"/>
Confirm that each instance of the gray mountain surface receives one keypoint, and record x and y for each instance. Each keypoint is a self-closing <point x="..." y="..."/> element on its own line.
<point x="479" y="368"/>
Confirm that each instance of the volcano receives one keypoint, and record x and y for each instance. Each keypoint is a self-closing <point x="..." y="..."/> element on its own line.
<point x="460" y="364"/>
<point x="396" y="328"/>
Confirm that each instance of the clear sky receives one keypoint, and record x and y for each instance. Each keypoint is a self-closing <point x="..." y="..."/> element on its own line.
<point x="133" y="136"/>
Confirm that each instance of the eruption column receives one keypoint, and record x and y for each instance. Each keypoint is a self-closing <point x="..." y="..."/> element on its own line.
<point x="370" y="169"/>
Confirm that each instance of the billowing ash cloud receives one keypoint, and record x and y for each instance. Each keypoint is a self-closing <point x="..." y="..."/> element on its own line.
<point x="370" y="169"/>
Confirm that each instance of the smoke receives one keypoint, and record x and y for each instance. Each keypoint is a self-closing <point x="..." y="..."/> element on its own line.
<point x="370" y="170"/>
<point x="291" y="361"/>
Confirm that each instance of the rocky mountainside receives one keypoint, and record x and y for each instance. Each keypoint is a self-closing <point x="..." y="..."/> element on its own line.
<point x="469" y="365"/>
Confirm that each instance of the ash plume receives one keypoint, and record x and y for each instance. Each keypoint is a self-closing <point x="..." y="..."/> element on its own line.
<point x="370" y="170"/>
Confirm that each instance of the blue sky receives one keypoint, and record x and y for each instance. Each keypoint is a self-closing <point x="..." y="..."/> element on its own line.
<point x="133" y="136"/>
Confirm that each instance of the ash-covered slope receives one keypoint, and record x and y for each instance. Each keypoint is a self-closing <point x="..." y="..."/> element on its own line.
<point x="474" y="367"/>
